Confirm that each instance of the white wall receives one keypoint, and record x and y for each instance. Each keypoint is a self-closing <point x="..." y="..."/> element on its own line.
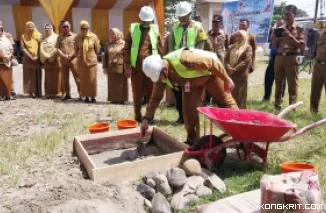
<point x="206" y="12"/>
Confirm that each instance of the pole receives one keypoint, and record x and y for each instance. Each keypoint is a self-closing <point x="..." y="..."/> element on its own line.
<point x="316" y="11"/>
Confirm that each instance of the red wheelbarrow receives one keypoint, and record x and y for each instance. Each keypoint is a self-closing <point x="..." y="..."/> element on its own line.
<point x="243" y="130"/>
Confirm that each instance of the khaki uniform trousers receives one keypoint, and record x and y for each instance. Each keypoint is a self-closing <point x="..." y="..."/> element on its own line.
<point x="317" y="82"/>
<point x="239" y="93"/>
<point x="65" y="70"/>
<point x="140" y="85"/>
<point x="286" y="67"/>
<point x="193" y="99"/>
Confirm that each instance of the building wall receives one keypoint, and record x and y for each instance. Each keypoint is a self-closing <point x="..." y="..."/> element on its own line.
<point x="206" y="12"/>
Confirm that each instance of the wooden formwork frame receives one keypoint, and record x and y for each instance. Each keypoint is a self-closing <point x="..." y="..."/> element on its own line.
<point x="85" y="145"/>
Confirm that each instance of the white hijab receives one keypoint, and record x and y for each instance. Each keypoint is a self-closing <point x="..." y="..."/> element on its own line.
<point x="48" y="50"/>
<point x="5" y="47"/>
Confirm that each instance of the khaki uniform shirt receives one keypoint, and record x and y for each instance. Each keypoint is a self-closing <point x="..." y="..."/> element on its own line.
<point x="287" y="45"/>
<point x="193" y="62"/>
<point x="321" y="46"/>
<point x="145" y="48"/>
<point x="66" y="43"/>
<point x="93" y="50"/>
<point x="9" y="36"/>
<point x="252" y="42"/>
<point x="220" y="43"/>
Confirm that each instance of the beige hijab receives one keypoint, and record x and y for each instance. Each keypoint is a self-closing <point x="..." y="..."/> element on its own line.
<point x="48" y="44"/>
<point x="115" y="47"/>
<point x="238" y="48"/>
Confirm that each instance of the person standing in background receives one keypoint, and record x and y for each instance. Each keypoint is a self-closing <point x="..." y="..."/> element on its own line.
<point x="244" y="25"/>
<point x="220" y="43"/>
<point x="185" y="33"/>
<point x="6" y="54"/>
<point x="318" y="80"/>
<point x="87" y="47"/>
<point x="142" y="40"/>
<point x="289" y="44"/>
<point x="66" y="49"/>
<point x="12" y="41"/>
<point x="50" y="60"/>
<point x="269" y="73"/>
<point x="238" y="64"/>
<point x="113" y="67"/>
<point x="32" y="76"/>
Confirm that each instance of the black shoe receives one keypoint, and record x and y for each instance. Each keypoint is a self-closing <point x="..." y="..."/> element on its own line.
<point x="33" y="96"/>
<point x="93" y="100"/>
<point x="67" y="97"/>
<point x="13" y="93"/>
<point x="9" y="98"/>
<point x="86" y="100"/>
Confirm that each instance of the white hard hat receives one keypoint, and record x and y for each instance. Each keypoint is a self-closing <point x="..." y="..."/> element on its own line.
<point x="152" y="67"/>
<point x="183" y="8"/>
<point x="146" y="14"/>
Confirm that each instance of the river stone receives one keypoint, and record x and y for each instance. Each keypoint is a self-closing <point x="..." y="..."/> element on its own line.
<point x="150" y="182"/>
<point x="162" y="185"/>
<point x="150" y="175"/>
<point x="176" y="177"/>
<point x="160" y="204"/>
<point x="214" y="182"/>
<point x="203" y="191"/>
<point x="192" y="167"/>
<point x="179" y="201"/>
<point x="146" y="191"/>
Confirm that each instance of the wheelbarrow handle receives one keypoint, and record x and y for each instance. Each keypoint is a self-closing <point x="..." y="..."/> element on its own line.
<point x="303" y="130"/>
<point x="289" y="109"/>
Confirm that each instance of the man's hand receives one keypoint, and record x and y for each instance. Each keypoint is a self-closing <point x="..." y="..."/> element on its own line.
<point x="7" y="57"/>
<point x="34" y="58"/>
<point x="228" y="85"/>
<point x="144" y="127"/>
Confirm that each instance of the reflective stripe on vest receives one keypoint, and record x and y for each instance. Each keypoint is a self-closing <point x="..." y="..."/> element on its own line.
<point x="135" y="36"/>
<point x="191" y="35"/>
<point x="174" y="60"/>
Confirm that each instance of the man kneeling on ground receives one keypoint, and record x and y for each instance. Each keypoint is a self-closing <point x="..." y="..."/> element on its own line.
<point x="194" y="70"/>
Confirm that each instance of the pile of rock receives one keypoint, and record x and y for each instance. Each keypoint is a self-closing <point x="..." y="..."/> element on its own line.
<point x="180" y="186"/>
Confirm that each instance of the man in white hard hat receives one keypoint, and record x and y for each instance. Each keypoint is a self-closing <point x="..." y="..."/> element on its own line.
<point x="194" y="70"/>
<point x="185" y="33"/>
<point x="143" y="40"/>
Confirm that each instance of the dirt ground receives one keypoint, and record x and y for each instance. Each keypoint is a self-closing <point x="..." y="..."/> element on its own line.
<point x="39" y="174"/>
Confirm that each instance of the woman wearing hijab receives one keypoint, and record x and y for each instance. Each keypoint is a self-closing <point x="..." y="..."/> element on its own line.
<point x="6" y="54"/>
<point x="238" y="62"/>
<point x="32" y="76"/>
<point x="113" y="68"/>
<point x="50" y="60"/>
<point x="87" y="47"/>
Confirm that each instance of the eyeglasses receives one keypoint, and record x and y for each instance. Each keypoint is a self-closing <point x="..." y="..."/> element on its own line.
<point x="65" y="27"/>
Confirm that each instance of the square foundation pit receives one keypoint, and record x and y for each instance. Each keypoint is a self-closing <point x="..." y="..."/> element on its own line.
<point x="124" y="155"/>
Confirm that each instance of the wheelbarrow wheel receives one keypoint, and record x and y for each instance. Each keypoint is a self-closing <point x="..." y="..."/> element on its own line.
<point x="203" y="143"/>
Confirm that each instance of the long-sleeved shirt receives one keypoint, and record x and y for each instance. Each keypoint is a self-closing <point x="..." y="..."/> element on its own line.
<point x="145" y="48"/>
<point x="192" y="61"/>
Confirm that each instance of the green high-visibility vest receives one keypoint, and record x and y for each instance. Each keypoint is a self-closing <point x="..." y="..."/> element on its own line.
<point x="174" y="60"/>
<point x="135" y="36"/>
<point x="191" y="35"/>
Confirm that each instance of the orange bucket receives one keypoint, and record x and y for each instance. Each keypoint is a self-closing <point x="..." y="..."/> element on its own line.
<point x="126" y="124"/>
<point x="297" y="167"/>
<point x="98" y="128"/>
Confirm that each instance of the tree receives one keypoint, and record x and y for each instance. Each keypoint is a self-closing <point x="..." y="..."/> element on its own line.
<point x="278" y="12"/>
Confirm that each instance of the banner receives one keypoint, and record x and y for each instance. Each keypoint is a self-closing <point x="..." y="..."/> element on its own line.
<point x="258" y="12"/>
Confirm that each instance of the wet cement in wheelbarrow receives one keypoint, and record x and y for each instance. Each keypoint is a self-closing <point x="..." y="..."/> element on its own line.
<point x="112" y="157"/>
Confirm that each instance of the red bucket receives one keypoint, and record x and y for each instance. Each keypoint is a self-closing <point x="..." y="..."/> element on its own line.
<point x="99" y="128"/>
<point x="297" y="167"/>
<point x="126" y="124"/>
